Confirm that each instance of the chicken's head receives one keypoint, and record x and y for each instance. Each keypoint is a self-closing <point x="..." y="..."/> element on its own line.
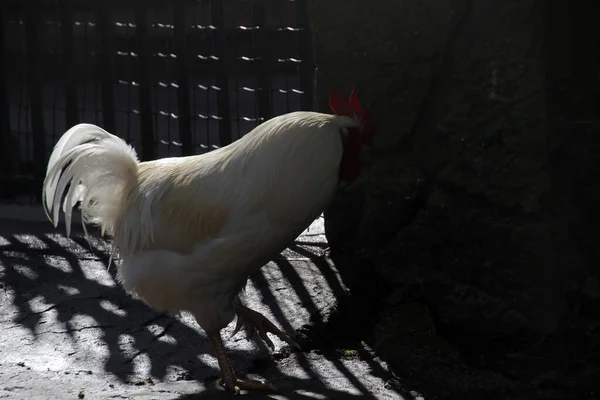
<point x="352" y="108"/>
<point x="355" y="139"/>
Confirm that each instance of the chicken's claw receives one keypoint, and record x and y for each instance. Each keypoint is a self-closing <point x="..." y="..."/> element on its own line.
<point x="252" y="320"/>
<point x="229" y="380"/>
<point x="239" y="384"/>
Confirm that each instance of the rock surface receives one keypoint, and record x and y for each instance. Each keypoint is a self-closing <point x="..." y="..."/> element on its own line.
<point x="479" y="204"/>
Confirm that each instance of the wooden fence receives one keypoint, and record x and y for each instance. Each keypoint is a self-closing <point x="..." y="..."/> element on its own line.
<point x="170" y="77"/>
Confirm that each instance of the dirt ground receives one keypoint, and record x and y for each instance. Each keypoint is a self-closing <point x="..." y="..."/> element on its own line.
<point x="70" y="331"/>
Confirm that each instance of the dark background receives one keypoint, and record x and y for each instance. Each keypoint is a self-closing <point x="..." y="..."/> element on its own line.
<point x="479" y="213"/>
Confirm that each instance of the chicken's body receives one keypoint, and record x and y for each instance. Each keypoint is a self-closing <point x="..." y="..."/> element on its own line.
<point x="217" y="217"/>
<point x="190" y="230"/>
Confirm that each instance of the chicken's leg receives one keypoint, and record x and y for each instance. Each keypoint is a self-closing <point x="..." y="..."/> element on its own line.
<point x="253" y="320"/>
<point x="229" y="380"/>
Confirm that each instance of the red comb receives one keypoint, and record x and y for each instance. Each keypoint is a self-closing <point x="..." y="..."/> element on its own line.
<point x="340" y="105"/>
<point x="354" y="103"/>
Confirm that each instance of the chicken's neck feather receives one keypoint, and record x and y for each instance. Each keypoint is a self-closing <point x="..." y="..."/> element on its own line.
<point x="287" y="169"/>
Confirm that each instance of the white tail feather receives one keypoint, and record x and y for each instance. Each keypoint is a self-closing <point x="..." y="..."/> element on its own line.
<point x="99" y="166"/>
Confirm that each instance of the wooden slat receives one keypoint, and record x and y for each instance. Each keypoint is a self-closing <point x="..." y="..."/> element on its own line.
<point x="106" y="68"/>
<point x="221" y="74"/>
<point x="263" y="94"/>
<point x="183" y="92"/>
<point x="307" y="66"/>
<point x="70" y="75"/>
<point x="5" y="135"/>
<point x="145" y="88"/>
<point x="33" y="23"/>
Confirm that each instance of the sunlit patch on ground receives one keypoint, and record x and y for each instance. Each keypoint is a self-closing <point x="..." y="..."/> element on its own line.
<point x="69" y="326"/>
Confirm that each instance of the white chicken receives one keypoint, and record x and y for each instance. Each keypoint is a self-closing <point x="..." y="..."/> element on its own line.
<point x="190" y="230"/>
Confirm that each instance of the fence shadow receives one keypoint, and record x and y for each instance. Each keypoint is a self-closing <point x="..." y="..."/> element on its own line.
<point x="61" y="292"/>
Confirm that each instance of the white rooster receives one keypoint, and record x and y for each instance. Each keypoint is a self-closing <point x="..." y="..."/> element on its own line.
<point x="190" y="230"/>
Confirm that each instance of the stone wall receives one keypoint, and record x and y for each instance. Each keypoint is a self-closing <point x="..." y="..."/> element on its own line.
<point x="478" y="203"/>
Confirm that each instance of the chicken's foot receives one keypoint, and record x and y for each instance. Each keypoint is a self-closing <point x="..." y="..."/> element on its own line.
<point x="229" y="380"/>
<point x="252" y="320"/>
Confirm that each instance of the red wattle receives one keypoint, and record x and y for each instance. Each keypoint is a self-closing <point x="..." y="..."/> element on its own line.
<point x="350" y="165"/>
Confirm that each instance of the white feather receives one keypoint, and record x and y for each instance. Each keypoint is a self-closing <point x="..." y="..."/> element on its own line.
<point x="190" y="230"/>
<point x="98" y="166"/>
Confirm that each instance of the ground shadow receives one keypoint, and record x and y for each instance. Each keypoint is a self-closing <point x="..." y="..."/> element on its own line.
<point x="49" y="277"/>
